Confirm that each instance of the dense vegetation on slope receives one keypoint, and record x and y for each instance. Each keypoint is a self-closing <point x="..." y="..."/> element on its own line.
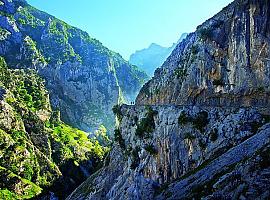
<point x="38" y="151"/>
<point x="85" y="79"/>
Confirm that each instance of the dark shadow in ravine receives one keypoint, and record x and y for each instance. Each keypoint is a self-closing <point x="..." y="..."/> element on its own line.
<point x="73" y="176"/>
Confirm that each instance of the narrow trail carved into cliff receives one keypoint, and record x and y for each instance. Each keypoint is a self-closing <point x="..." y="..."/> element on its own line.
<point x="265" y="108"/>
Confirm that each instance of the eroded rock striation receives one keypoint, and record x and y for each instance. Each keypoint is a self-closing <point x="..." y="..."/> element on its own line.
<point x="84" y="78"/>
<point x="225" y="62"/>
<point x="200" y="128"/>
<point x="183" y="152"/>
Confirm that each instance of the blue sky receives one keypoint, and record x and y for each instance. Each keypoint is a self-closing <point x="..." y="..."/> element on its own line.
<point x="129" y="25"/>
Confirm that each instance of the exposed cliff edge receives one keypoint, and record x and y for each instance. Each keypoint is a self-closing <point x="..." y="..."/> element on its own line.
<point x="201" y="126"/>
<point x="84" y="78"/>
<point x="224" y="63"/>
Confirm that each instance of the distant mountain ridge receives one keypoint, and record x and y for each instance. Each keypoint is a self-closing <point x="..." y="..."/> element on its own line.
<point x="149" y="59"/>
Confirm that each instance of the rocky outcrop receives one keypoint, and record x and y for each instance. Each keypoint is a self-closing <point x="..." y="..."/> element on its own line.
<point x="84" y="78"/>
<point x="224" y="63"/>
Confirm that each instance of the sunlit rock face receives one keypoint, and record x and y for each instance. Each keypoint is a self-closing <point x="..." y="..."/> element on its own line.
<point x="225" y="62"/>
<point x="85" y="79"/>
<point x="188" y="147"/>
<point x="200" y="128"/>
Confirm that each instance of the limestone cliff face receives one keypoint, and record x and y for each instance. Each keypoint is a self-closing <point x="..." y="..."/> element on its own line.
<point x="225" y="62"/>
<point x="85" y="79"/>
<point x="175" y="152"/>
<point x="201" y="126"/>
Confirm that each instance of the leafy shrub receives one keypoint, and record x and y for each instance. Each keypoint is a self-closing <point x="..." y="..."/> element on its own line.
<point x="117" y="112"/>
<point x="218" y="24"/>
<point x="189" y="136"/>
<point x="28" y="171"/>
<point x="6" y="194"/>
<point x="266" y="118"/>
<point x="151" y="112"/>
<point x="205" y="33"/>
<point x="180" y="73"/>
<point x="183" y="118"/>
<point x="218" y="82"/>
<point x="147" y="124"/>
<point x="197" y="191"/>
<point x="255" y="126"/>
<point x="201" y="120"/>
<point x="194" y="49"/>
<point x="119" y="139"/>
<point x="265" y="158"/>
<point x="202" y="144"/>
<point x="74" y="144"/>
<point x="135" y="158"/>
<point x="151" y="149"/>
<point x="261" y="89"/>
<point x="136" y="119"/>
<point x="54" y="119"/>
<point x="214" y="135"/>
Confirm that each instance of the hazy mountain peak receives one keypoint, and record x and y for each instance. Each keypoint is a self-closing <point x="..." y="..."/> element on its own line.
<point x="149" y="59"/>
<point x="155" y="45"/>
